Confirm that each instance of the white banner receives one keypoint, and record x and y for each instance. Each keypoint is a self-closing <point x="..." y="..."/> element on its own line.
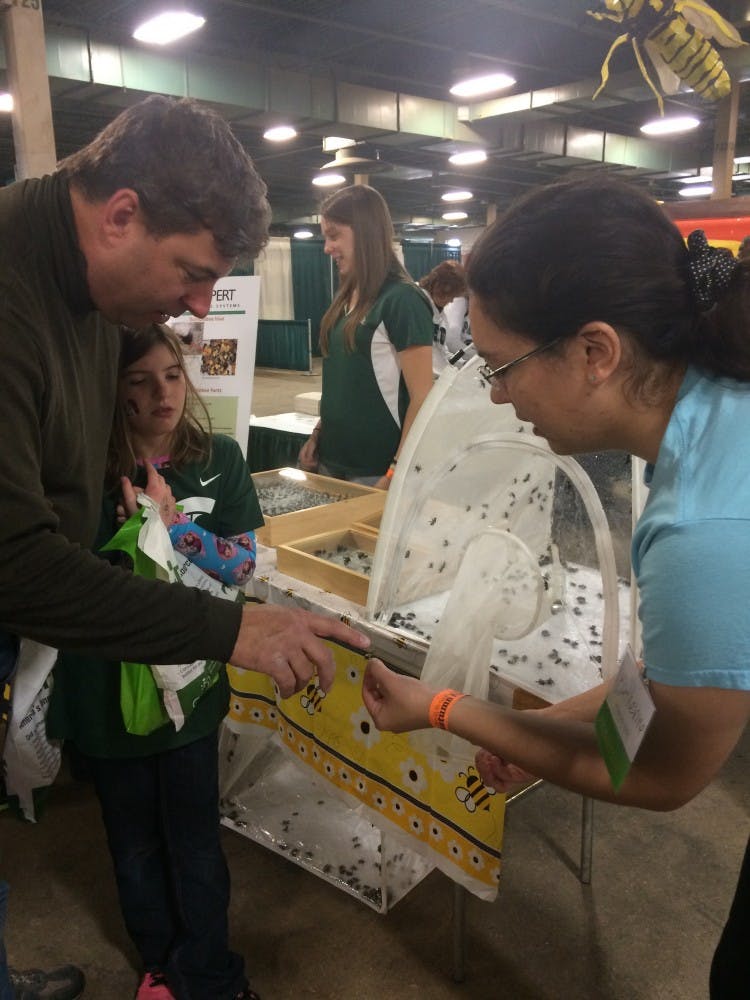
<point x="220" y="353"/>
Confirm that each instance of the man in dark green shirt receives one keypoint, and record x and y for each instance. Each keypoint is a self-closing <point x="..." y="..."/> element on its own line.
<point x="134" y="228"/>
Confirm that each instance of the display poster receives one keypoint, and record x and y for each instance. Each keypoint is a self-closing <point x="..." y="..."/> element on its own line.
<point x="220" y="353"/>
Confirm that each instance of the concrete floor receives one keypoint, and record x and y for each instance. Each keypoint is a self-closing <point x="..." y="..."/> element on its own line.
<point x="274" y="391"/>
<point x="644" y="929"/>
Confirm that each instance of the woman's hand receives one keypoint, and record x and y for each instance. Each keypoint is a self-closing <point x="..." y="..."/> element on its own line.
<point x="500" y="774"/>
<point x="308" y="455"/>
<point x="395" y="702"/>
<point x="156" y="488"/>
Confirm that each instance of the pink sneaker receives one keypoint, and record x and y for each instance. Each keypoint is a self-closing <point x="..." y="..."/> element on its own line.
<point x="154" y="987"/>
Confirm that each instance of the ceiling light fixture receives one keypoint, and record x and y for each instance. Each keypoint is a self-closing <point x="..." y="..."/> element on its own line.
<point x="328" y="180"/>
<point x="304" y="234"/>
<point x="670" y="126"/>
<point x="476" y="86"/>
<point x="454" y="216"/>
<point x="6" y="102"/>
<point x="453" y="243"/>
<point x="350" y="159"/>
<point x="333" y="142"/>
<point x="704" y="177"/>
<point x="457" y="196"/>
<point x="468" y="157"/>
<point x="280" y="133"/>
<point x="168" y="27"/>
<point x="697" y="191"/>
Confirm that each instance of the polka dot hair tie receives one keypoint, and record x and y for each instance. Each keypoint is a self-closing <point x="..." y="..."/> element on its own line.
<point x="710" y="270"/>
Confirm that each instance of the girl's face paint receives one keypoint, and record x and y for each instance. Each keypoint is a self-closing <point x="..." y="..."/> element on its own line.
<point x="153" y="392"/>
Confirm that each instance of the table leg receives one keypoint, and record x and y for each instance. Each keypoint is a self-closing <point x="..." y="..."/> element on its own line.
<point x="587" y="839"/>
<point x="459" y="933"/>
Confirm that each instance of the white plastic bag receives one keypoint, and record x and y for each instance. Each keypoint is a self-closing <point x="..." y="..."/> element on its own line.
<point x="30" y="760"/>
<point x="180" y="685"/>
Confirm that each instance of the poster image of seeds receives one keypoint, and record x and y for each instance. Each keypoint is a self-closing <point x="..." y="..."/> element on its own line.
<point x="219" y="357"/>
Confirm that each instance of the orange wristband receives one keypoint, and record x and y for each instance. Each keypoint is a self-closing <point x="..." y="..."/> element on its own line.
<point x="389" y="473"/>
<point x="441" y="707"/>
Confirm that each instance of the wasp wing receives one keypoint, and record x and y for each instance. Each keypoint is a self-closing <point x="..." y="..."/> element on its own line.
<point x="669" y="81"/>
<point x="710" y="23"/>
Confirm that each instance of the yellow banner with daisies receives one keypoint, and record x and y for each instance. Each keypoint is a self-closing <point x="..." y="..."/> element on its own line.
<point x="450" y="816"/>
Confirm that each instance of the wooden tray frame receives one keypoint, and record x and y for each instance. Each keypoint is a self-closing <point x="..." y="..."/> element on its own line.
<point x="370" y="523"/>
<point x="360" y="501"/>
<point x="297" y="559"/>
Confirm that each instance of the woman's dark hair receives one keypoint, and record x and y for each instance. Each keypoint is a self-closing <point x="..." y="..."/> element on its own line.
<point x="191" y="442"/>
<point x="599" y="249"/>
<point x="188" y="168"/>
<point x="365" y="211"/>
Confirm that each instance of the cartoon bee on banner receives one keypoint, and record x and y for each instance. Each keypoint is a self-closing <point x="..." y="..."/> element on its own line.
<point x="675" y="34"/>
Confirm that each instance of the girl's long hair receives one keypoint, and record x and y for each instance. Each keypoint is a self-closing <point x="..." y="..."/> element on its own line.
<point x="364" y="210"/>
<point x="191" y="442"/>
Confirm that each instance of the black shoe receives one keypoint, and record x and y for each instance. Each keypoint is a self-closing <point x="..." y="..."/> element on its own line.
<point x="65" y="983"/>
<point x="247" y="994"/>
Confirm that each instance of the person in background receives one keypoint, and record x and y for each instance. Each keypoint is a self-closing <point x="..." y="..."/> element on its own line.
<point x="602" y="328"/>
<point x="159" y="793"/>
<point x="743" y="250"/>
<point x="133" y="228"/>
<point x="446" y="286"/>
<point x="376" y="340"/>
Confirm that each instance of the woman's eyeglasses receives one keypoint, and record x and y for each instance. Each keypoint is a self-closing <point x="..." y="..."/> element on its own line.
<point x="492" y="376"/>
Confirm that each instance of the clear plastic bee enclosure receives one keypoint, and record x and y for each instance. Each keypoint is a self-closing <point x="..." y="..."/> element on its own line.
<point x="495" y="557"/>
<point x="497" y="553"/>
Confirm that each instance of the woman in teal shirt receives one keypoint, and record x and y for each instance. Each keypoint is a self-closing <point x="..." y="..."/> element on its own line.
<point x="605" y="331"/>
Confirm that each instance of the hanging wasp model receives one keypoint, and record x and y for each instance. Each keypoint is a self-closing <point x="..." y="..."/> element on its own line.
<point x="675" y="34"/>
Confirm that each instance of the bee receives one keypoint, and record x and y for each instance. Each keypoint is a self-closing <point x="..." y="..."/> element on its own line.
<point x="675" y="34"/>
<point x="311" y="698"/>
<point x="472" y="793"/>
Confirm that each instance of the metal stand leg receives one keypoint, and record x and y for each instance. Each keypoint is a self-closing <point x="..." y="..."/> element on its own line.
<point x="587" y="839"/>
<point x="459" y="933"/>
<point x="460" y="894"/>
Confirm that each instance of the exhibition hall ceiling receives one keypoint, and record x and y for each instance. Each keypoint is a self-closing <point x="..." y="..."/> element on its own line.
<point x="380" y="73"/>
